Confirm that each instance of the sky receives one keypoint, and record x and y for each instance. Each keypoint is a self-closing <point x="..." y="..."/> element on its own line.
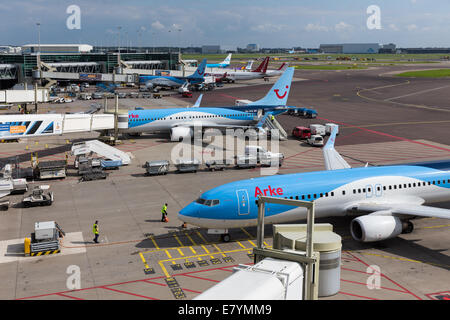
<point x="228" y="23"/>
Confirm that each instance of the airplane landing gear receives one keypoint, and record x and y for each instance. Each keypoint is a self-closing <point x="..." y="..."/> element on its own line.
<point x="225" y="237"/>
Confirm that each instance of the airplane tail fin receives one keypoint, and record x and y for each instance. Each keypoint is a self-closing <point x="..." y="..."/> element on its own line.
<point x="227" y="60"/>
<point x="249" y="65"/>
<point x="279" y="93"/>
<point x="200" y="72"/>
<point x="263" y="66"/>
<point x="284" y="66"/>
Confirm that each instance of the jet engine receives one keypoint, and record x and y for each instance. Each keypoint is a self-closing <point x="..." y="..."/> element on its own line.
<point x="149" y="85"/>
<point x="377" y="228"/>
<point x="179" y="133"/>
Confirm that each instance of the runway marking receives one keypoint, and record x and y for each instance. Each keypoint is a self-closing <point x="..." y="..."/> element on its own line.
<point x="401" y="123"/>
<point x="398" y="103"/>
<point x="154" y="242"/>
<point x="436" y="227"/>
<point x="415" y="93"/>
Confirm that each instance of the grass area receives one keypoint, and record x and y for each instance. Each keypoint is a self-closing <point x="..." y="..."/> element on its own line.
<point x="329" y="67"/>
<point x="437" y="73"/>
<point x="380" y="58"/>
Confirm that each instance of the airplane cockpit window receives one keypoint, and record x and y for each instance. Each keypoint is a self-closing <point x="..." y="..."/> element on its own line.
<point x="208" y="203"/>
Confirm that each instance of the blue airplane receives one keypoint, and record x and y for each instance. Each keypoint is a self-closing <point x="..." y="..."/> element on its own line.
<point x="224" y="64"/>
<point x="174" y="82"/>
<point x="180" y="122"/>
<point x="384" y="198"/>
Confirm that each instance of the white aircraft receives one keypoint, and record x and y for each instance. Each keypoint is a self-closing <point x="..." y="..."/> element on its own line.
<point x="279" y="72"/>
<point x="259" y="73"/>
<point x="385" y="198"/>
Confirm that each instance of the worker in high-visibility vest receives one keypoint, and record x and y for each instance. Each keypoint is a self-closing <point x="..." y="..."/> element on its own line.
<point x="164" y="213"/>
<point x="95" y="231"/>
<point x="273" y="118"/>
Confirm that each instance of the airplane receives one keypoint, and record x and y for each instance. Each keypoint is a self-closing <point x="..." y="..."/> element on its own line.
<point x="249" y="65"/>
<point x="278" y="72"/>
<point x="292" y="51"/>
<point x="180" y="122"/>
<point x="224" y="64"/>
<point x="174" y="82"/>
<point x="259" y="73"/>
<point x="384" y="198"/>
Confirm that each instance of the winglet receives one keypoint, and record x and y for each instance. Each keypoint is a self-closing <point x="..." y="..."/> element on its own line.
<point x="333" y="160"/>
<point x="198" y="102"/>
<point x="279" y="93"/>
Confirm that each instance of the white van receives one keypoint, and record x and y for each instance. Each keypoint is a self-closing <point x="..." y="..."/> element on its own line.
<point x="315" y="141"/>
<point x="317" y="129"/>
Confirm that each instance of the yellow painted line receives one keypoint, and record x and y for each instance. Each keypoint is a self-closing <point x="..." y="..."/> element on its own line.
<point x="164" y="269"/>
<point x="218" y="249"/>
<point x="436" y="227"/>
<point x="201" y="255"/>
<point x="193" y="251"/>
<point x="143" y="260"/>
<point x="154" y="242"/>
<point x="404" y="259"/>
<point x="242" y="246"/>
<point x="253" y="244"/>
<point x="180" y="252"/>
<point x="206" y="250"/>
<point x="168" y="254"/>
<point x="248" y="234"/>
<point x="190" y="239"/>
<point x="201" y="237"/>
<point x="178" y="240"/>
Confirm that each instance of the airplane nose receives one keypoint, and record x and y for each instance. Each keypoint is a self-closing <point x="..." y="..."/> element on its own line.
<point x="188" y="211"/>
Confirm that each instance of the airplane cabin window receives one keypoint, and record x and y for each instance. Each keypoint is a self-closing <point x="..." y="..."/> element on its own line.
<point x="332" y="194"/>
<point x="215" y="202"/>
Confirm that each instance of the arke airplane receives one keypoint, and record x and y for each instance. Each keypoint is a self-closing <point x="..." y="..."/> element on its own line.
<point x="385" y="198"/>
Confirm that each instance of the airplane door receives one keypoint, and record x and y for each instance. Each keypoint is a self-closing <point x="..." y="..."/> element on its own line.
<point x="243" y="202"/>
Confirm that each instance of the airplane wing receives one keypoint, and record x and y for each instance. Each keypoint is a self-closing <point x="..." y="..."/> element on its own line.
<point x="333" y="160"/>
<point x="401" y="209"/>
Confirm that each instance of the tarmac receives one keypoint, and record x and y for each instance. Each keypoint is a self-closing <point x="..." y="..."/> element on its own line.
<point x="383" y="120"/>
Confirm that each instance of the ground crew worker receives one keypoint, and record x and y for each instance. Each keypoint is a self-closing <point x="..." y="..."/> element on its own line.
<point x="95" y="231"/>
<point x="273" y="118"/>
<point x="164" y="213"/>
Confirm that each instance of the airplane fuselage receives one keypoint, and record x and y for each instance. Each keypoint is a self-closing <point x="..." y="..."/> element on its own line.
<point x="334" y="193"/>
<point x="165" y="119"/>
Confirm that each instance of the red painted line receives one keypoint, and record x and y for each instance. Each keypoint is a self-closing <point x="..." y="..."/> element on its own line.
<point x="67" y="296"/>
<point x="191" y="276"/>
<point x="355" y="295"/>
<point x="365" y="284"/>
<point x="411" y="293"/>
<point x="165" y="285"/>
<point x="228" y="96"/>
<point x="387" y="135"/>
<point x="159" y="284"/>
<point x="129" y="293"/>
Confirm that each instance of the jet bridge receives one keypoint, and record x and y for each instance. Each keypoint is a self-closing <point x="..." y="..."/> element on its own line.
<point x="35" y="125"/>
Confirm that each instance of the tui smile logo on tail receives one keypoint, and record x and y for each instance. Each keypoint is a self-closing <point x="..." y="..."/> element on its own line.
<point x="277" y="92"/>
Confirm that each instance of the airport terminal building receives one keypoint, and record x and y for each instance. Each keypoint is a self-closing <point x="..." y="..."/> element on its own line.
<point x="350" y="48"/>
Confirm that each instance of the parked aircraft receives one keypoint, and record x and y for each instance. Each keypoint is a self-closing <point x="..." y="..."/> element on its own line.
<point x="259" y="73"/>
<point x="174" y="82"/>
<point x="278" y="72"/>
<point x="180" y="122"/>
<point x="387" y="198"/>
<point x="224" y="64"/>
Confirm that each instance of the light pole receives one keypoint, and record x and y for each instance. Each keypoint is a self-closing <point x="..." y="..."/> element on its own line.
<point x="39" y="36"/>
<point x="179" y="41"/>
<point x="118" y="44"/>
